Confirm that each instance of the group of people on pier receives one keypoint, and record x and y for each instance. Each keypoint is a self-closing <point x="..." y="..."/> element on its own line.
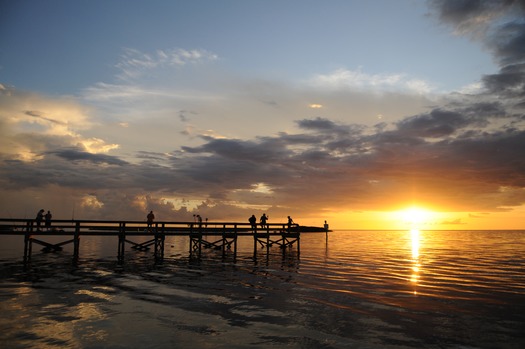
<point x="150" y="217"/>
<point x="262" y="221"/>
<point x="40" y="216"/>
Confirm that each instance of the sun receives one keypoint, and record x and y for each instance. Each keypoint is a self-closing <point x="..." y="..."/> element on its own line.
<point x="416" y="216"/>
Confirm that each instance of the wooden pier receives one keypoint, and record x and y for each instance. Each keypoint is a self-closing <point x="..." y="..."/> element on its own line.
<point x="209" y="235"/>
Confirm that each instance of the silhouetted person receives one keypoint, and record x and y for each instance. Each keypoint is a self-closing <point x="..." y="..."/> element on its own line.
<point x="290" y="222"/>
<point x="253" y="222"/>
<point x="264" y="218"/>
<point x="149" y="219"/>
<point x="48" y="218"/>
<point x="326" y="227"/>
<point x="39" y="218"/>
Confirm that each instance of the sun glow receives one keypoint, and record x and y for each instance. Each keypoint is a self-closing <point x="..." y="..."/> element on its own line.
<point x="416" y="216"/>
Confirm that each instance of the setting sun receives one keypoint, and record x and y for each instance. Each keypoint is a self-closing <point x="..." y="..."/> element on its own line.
<point x="416" y="215"/>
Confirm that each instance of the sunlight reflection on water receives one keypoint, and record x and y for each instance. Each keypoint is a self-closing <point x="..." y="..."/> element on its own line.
<point x="414" y="235"/>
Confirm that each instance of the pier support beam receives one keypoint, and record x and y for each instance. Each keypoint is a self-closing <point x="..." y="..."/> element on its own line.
<point x="195" y="241"/>
<point x="159" y="245"/>
<point x="289" y="236"/>
<point x="121" y="242"/>
<point x="229" y="239"/>
<point x="28" y="246"/>
<point x="76" y="242"/>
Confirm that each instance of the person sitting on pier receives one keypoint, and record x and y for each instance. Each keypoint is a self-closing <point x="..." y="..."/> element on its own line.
<point x="149" y="219"/>
<point x="290" y="222"/>
<point x="253" y="222"/>
<point x="39" y="218"/>
<point x="264" y="218"/>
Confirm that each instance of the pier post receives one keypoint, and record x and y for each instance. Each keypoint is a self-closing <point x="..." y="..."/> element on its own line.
<point x="224" y="240"/>
<point x="28" y="243"/>
<point x="298" y="242"/>
<point x="121" y="241"/>
<point x="267" y="239"/>
<point x="235" y="242"/>
<point x="76" y="242"/>
<point x="159" y="243"/>
<point x="255" y="244"/>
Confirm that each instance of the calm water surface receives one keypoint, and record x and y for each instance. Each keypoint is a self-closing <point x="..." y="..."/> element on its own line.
<point x="359" y="289"/>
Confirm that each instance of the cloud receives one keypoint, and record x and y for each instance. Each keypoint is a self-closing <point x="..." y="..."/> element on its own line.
<point x="328" y="166"/>
<point x="453" y="222"/>
<point x="77" y="155"/>
<point x="499" y="25"/>
<point x="33" y="124"/>
<point x="468" y="17"/>
<point x="134" y="63"/>
<point x="357" y="79"/>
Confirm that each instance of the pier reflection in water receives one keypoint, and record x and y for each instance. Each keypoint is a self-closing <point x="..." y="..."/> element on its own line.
<point x="364" y="289"/>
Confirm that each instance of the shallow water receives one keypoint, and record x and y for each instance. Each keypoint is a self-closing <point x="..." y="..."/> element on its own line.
<point x="359" y="289"/>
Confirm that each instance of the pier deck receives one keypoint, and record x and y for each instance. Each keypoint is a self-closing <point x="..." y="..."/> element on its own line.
<point x="217" y="235"/>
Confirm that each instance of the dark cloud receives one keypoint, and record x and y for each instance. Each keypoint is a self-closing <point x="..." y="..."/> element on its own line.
<point x="184" y="115"/>
<point x="500" y="25"/>
<point x="438" y="123"/>
<point x="249" y="151"/>
<point x="471" y="15"/>
<point x="508" y="42"/>
<point x="78" y="155"/>
<point x="477" y="171"/>
<point x="508" y="83"/>
<point x="39" y="115"/>
<point x="149" y="155"/>
<point x="318" y="124"/>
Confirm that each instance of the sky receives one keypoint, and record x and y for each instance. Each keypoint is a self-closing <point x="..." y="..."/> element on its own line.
<point x="371" y="114"/>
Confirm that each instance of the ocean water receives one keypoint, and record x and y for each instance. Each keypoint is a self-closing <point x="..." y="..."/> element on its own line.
<point x="358" y="289"/>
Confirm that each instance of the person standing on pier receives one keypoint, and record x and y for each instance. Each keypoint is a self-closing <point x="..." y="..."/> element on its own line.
<point x="39" y="218"/>
<point x="149" y="219"/>
<point x="48" y="218"/>
<point x="199" y="220"/>
<point x="253" y="222"/>
<point x="264" y="218"/>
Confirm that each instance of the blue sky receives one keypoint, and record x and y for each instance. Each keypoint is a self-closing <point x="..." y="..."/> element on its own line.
<point x="61" y="47"/>
<point x="228" y="108"/>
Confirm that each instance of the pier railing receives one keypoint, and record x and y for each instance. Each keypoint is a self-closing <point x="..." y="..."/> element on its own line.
<point x="215" y="235"/>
